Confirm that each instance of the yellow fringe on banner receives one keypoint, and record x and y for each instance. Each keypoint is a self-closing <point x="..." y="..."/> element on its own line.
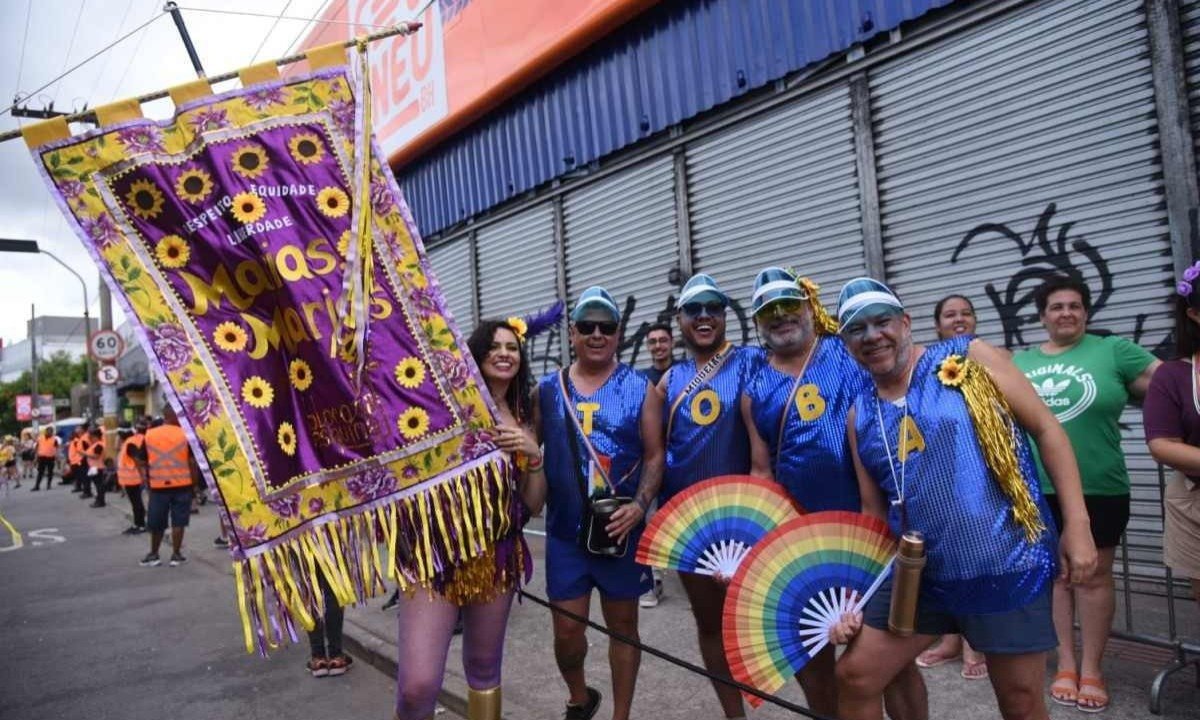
<point x="991" y="416"/>
<point x="440" y="538"/>
<point x="822" y="320"/>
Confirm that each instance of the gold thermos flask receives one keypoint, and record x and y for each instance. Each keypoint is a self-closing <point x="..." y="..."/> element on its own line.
<point x="906" y="584"/>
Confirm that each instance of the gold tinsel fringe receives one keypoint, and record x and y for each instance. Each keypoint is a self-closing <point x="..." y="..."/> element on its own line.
<point x="447" y="531"/>
<point x="991" y="416"/>
<point x="822" y="320"/>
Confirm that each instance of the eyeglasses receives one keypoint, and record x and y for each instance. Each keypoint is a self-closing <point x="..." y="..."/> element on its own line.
<point x="695" y="309"/>
<point x="780" y="308"/>
<point x="587" y="327"/>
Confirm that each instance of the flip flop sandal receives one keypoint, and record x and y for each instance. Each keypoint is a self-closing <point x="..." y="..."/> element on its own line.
<point x="1062" y="695"/>
<point x="1094" y="692"/>
<point x="935" y="659"/>
<point x="974" y="670"/>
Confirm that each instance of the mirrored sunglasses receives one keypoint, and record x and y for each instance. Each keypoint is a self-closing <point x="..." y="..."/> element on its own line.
<point x="587" y="327"/>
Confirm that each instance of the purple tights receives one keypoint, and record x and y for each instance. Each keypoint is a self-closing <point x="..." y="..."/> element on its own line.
<point x="426" y="626"/>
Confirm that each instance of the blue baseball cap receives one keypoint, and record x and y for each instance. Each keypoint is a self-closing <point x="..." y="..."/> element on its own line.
<point x="772" y="285"/>
<point x="596" y="297"/>
<point x="866" y="297"/>
<point x="701" y="287"/>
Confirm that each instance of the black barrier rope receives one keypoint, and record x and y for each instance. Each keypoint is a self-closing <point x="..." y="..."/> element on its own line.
<point x="774" y="700"/>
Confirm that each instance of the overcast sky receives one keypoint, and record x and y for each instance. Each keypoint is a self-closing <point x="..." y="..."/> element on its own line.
<point x="62" y="33"/>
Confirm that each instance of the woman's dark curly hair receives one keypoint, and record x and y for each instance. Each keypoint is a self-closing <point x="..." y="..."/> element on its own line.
<point x="519" y="396"/>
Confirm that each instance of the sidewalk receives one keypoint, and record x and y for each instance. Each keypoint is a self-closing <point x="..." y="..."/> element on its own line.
<point x="533" y="689"/>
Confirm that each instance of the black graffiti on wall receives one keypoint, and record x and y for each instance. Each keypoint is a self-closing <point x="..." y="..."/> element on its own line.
<point x="1048" y="251"/>
<point x="545" y="352"/>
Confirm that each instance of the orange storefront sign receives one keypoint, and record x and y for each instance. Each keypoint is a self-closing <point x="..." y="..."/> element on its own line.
<point x="469" y="56"/>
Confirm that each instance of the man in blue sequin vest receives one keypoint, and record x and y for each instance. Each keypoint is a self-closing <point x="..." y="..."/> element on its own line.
<point x="989" y="555"/>
<point x="600" y="423"/>
<point x="706" y="438"/>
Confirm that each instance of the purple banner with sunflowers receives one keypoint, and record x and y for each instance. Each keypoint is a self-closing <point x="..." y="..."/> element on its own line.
<point x="278" y="284"/>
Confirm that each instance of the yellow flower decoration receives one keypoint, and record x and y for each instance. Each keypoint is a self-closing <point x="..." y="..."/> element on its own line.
<point x="144" y="199"/>
<point x="250" y="161"/>
<point x="172" y="251"/>
<point x="343" y="244"/>
<point x="230" y="337"/>
<point x="247" y="207"/>
<point x="518" y="326"/>
<point x="306" y="148"/>
<point x="257" y="392"/>
<point x="410" y="373"/>
<point x="413" y="423"/>
<point x="193" y="185"/>
<point x="332" y="202"/>
<point x="287" y="438"/>
<point x="300" y="374"/>
<point x="951" y="372"/>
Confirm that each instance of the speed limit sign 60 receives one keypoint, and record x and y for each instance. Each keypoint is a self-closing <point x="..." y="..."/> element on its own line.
<point x="105" y="346"/>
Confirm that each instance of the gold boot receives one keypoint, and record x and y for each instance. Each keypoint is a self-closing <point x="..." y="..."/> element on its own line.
<point x="483" y="704"/>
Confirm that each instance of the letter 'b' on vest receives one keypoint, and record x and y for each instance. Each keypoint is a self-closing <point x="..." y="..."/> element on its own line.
<point x="167" y="453"/>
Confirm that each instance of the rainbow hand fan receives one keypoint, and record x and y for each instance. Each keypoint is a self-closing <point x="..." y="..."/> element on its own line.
<point x="710" y="527"/>
<point x="794" y="586"/>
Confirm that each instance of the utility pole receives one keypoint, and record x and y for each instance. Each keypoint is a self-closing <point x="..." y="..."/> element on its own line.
<point x="108" y="393"/>
<point x="33" y="364"/>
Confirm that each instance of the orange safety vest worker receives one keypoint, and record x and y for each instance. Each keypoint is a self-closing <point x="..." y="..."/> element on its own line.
<point x="127" y="469"/>
<point x="167" y="456"/>
<point x="47" y="447"/>
<point x="75" y="450"/>
<point x="95" y="455"/>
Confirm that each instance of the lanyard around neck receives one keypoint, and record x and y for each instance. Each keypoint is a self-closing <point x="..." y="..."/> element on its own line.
<point x="899" y="480"/>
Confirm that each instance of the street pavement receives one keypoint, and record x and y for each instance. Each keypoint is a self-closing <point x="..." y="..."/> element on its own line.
<point x="88" y="634"/>
<point x="56" y="597"/>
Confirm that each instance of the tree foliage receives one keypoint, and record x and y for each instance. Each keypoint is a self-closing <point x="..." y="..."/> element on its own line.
<point x="56" y="376"/>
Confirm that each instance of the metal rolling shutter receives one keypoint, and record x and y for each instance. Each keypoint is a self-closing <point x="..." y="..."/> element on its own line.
<point x="452" y="267"/>
<point x="1046" y="113"/>
<point x="1189" y="21"/>
<point x="517" y="263"/>
<point x="620" y="234"/>
<point x="781" y="189"/>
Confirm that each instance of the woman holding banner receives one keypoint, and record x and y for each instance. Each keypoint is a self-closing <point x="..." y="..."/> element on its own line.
<point x="427" y="619"/>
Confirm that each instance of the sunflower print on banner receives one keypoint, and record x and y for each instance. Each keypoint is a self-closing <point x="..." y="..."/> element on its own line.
<point x="225" y="232"/>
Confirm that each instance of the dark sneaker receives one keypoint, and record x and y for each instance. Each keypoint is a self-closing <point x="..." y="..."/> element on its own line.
<point x="151" y="560"/>
<point x="129" y="530"/>
<point x="139" y="529"/>
<point x="33" y="489"/>
<point x="97" y="504"/>
<point x="177" y="560"/>
<point x="220" y="542"/>
<point x="339" y="665"/>
<point x="318" y="667"/>
<point x="585" y="711"/>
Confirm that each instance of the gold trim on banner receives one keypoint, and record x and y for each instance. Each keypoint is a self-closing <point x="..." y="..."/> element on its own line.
<point x="187" y="92"/>
<point x="46" y="131"/>
<point x="260" y="73"/>
<point x="281" y="586"/>
<point x="120" y="111"/>
<point x="330" y="55"/>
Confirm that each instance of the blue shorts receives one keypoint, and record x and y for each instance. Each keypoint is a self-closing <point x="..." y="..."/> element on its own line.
<point x="572" y="572"/>
<point x="1028" y="629"/>
<point x="177" y="503"/>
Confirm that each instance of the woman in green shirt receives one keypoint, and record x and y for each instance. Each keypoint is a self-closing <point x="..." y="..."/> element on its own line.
<point x="1086" y="380"/>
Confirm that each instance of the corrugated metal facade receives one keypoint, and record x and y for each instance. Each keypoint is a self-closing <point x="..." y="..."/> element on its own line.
<point x="675" y="62"/>
<point x="780" y="189"/>
<point x="1025" y="147"/>
<point x="517" y="263"/>
<point x="452" y="269"/>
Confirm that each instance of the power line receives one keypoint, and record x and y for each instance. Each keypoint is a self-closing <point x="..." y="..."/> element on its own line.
<point x="108" y="54"/>
<point x="307" y="25"/>
<point x="24" y="40"/>
<point x="85" y="61"/>
<point x="71" y="45"/>
<point x="154" y="11"/>
<point x="268" y="33"/>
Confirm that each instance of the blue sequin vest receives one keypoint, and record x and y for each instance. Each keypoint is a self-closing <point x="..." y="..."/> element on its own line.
<point x="814" y="461"/>
<point x="613" y="415"/>
<point x="978" y="559"/>
<point x="708" y="437"/>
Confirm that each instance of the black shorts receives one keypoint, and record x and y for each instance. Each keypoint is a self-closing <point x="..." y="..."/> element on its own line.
<point x="175" y="505"/>
<point x="1109" y="515"/>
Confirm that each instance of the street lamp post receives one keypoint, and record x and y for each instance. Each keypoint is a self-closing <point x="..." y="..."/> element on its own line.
<point x="31" y="246"/>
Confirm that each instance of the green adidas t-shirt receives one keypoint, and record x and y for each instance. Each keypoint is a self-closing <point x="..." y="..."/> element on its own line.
<point x="1086" y="389"/>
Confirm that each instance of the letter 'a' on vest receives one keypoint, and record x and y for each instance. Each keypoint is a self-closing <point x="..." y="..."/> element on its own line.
<point x="127" y="470"/>
<point x="167" y="453"/>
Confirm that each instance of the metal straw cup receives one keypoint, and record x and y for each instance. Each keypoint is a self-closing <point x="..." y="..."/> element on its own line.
<point x="906" y="584"/>
<point x="598" y="540"/>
